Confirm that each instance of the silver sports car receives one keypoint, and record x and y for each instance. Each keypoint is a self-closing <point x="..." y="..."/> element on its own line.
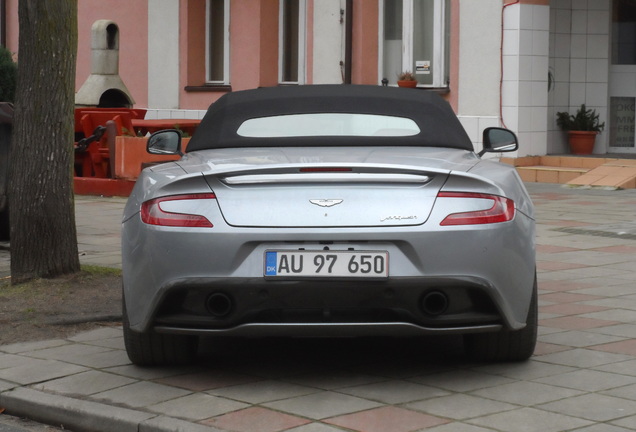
<point x="317" y="211"/>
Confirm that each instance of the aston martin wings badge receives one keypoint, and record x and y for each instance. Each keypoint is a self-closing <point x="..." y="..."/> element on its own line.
<point x="326" y="202"/>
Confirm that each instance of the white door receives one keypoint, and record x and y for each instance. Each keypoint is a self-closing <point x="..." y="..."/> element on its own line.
<point x="622" y="81"/>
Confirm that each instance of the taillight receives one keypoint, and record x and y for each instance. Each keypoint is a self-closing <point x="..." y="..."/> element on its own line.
<point x="153" y="214"/>
<point x="502" y="210"/>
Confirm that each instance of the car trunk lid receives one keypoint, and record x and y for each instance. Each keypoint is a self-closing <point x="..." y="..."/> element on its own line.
<point x="355" y="188"/>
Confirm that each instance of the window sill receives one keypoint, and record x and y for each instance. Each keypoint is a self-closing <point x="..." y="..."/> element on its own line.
<point x="209" y="88"/>
<point x="439" y="90"/>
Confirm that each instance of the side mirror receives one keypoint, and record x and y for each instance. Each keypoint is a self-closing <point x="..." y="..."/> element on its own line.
<point x="496" y="140"/>
<point x="165" y="142"/>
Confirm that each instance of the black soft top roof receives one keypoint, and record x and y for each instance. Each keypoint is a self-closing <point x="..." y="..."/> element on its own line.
<point x="439" y="127"/>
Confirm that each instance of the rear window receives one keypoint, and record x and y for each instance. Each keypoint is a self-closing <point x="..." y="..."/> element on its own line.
<point x="327" y="124"/>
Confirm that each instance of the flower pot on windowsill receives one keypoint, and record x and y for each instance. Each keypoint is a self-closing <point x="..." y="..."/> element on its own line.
<point x="407" y="83"/>
<point x="582" y="142"/>
<point x="406" y="79"/>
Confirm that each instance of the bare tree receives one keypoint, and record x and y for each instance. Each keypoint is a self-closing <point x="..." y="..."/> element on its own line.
<point x="43" y="233"/>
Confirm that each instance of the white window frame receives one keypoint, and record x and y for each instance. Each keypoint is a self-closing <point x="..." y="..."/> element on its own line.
<point x="302" y="17"/>
<point x="439" y="40"/>
<point x="226" y="44"/>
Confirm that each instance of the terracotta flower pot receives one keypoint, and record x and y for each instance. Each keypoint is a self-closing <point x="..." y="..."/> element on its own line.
<point x="409" y="84"/>
<point x="582" y="142"/>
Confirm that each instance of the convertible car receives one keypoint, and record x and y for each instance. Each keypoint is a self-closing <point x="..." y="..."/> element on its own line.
<point x="320" y="211"/>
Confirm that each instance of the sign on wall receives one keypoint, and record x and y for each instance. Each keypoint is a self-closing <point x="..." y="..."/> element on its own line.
<point x="622" y="121"/>
<point x="423" y="67"/>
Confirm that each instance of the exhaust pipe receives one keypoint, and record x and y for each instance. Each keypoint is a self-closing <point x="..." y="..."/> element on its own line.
<point x="219" y="304"/>
<point x="434" y="303"/>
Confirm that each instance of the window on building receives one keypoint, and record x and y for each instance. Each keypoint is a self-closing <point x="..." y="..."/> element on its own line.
<point x="624" y="32"/>
<point x="292" y="41"/>
<point x="414" y="37"/>
<point x="218" y="41"/>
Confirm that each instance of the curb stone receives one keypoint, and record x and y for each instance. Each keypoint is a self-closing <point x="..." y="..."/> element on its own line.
<point x="169" y="424"/>
<point x="84" y="319"/>
<point x="89" y="416"/>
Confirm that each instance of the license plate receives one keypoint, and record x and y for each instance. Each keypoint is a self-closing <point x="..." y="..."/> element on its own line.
<point x="362" y="264"/>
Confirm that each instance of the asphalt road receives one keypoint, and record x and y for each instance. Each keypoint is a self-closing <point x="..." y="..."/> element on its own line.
<point x="14" y="424"/>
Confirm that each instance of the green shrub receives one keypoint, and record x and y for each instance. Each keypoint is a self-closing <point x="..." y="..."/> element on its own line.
<point x="584" y="120"/>
<point x="8" y="75"/>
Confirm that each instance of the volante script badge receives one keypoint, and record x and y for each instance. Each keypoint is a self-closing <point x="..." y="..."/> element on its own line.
<point x="326" y="202"/>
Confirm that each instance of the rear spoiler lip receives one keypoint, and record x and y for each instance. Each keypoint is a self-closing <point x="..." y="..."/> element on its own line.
<point x="350" y="177"/>
<point x="330" y="173"/>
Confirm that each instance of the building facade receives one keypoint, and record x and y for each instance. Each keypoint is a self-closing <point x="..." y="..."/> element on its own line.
<point x="498" y="63"/>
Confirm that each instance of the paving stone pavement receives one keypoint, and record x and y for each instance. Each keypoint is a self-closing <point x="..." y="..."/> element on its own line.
<point x="581" y="378"/>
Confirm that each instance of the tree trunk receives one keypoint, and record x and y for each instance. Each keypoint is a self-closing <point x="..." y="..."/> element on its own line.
<point x="43" y="233"/>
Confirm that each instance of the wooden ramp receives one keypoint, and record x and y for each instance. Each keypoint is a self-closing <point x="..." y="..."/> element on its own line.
<point x="620" y="174"/>
<point x="577" y="170"/>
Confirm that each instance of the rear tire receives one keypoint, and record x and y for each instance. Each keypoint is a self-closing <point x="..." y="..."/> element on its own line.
<point x="158" y="349"/>
<point x="506" y="345"/>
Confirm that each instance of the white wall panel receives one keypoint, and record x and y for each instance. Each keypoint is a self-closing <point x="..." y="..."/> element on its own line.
<point x="479" y="63"/>
<point x="328" y="42"/>
<point x="163" y="54"/>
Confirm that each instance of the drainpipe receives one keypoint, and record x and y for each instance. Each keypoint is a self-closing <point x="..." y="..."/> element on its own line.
<point x="348" y="41"/>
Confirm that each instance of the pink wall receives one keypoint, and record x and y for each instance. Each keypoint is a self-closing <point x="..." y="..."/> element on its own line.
<point x="254" y="53"/>
<point x="365" y="42"/>
<point x="453" y="97"/>
<point x="132" y="19"/>
<point x="192" y="56"/>
<point x="254" y="45"/>
<point x="309" y="47"/>
<point x="12" y="29"/>
<point x="269" y="43"/>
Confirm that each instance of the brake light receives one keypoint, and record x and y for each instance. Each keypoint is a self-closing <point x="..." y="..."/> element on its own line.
<point x="502" y="210"/>
<point x="324" y="169"/>
<point x="153" y="214"/>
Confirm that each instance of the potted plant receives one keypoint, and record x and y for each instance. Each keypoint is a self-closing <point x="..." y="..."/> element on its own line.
<point x="407" y="79"/>
<point x="582" y="129"/>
